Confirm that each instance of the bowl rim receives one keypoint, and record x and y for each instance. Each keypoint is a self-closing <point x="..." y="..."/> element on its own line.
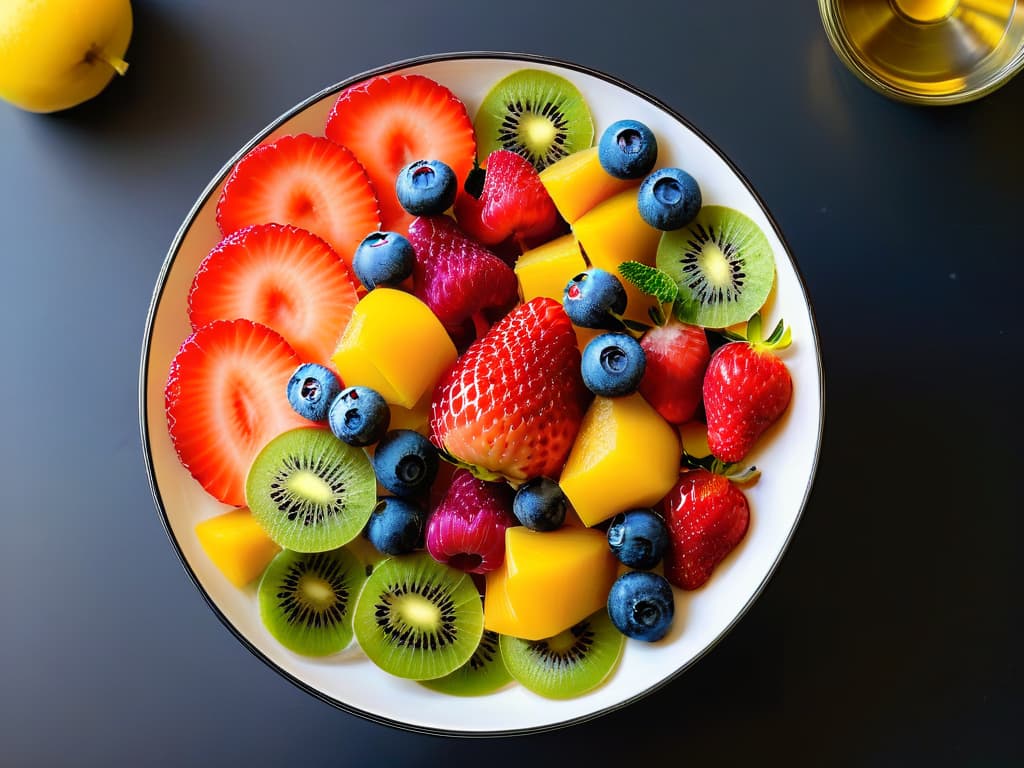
<point x="175" y="246"/>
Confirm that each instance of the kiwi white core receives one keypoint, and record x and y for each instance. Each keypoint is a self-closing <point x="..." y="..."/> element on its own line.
<point x="308" y="485"/>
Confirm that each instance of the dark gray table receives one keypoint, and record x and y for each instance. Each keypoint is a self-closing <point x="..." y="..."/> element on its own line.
<point x="889" y="634"/>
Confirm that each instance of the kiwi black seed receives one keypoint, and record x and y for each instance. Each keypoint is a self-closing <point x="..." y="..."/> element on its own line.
<point x="569" y="664"/>
<point x="537" y="114"/>
<point x="306" y="599"/>
<point x="484" y="673"/>
<point x="417" y="618"/>
<point x="723" y="265"/>
<point x="310" y="491"/>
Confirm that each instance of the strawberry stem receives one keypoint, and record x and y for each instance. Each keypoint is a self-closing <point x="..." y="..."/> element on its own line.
<point x="738" y="475"/>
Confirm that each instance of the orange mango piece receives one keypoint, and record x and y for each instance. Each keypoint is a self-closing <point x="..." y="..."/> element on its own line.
<point x="625" y="456"/>
<point x="577" y="183"/>
<point x="237" y="545"/>
<point x="547" y="269"/>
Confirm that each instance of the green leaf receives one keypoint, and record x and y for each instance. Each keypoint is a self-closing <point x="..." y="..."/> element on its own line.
<point x="650" y="280"/>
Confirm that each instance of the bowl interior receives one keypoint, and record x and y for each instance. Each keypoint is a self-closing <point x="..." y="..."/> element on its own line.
<point x="787" y="455"/>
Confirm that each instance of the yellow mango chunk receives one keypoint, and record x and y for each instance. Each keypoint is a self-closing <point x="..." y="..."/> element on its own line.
<point x="237" y="545"/>
<point x="612" y="233"/>
<point x="549" y="581"/>
<point x="625" y="456"/>
<point x="577" y="183"/>
<point x="395" y="345"/>
<point x="416" y="418"/>
<point x="547" y="269"/>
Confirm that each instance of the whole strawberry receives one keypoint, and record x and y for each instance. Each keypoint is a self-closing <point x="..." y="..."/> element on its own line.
<point x="466" y="530"/>
<point x="513" y="402"/>
<point x="746" y="389"/>
<point x="707" y="515"/>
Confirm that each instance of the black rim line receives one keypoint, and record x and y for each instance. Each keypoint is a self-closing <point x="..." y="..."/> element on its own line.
<point x="158" y="294"/>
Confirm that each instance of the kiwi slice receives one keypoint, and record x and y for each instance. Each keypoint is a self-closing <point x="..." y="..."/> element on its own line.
<point x="723" y="265"/>
<point x="485" y="672"/>
<point x="571" y="663"/>
<point x="537" y="114"/>
<point x="417" y="618"/>
<point x="306" y="599"/>
<point x="310" y="491"/>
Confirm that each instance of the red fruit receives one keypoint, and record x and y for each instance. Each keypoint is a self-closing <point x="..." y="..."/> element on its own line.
<point x="460" y="280"/>
<point x="390" y="121"/>
<point x="707" y="516"/>
<point x="303" y="180"/>
<point x="467" y="529"/>
<point x="512" y="403"/>
<point x="677" y="356"/>
<point x="283" y="277"/>
<point x="225" y="399"/>
<point x="513" y="203"/>
<point x="746" y="390"/>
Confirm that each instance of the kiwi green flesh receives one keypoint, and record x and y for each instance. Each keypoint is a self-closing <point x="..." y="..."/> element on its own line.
<point x="417" y="618"/>
<point x="306" y="599"/>
<point x="537" y="114"/>
<point x="310" y="491"/>
<point x="723" y="265"/>
<point x="569" y="664"/>
<point x="484" y="673"/>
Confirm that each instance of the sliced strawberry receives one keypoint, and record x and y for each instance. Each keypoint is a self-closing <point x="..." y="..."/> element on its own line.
<point x="677" y="355"/>
<point x="303" y="180"/>
<point x="283" y="277"/>
<point x="225" y="399"/>
<point x="707" y="516"/>
<point x="460" y="280"/>
<point x="390" y="121"/>
<point x="513" y="402"/>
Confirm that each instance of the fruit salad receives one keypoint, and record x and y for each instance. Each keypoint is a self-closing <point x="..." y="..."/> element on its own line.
<point x="443" y="373"/>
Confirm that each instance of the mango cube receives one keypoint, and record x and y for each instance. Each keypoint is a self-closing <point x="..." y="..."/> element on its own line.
<point x="548" y="582"/>
<point x="237" y="545"/>
<point x="547" y="269"/>
<point x="395" y="345"/>
<point x="577" y="183"/>
<point x="614" y="232"/>
<point x="625" y="456"/>
<point x="416" y="418"/>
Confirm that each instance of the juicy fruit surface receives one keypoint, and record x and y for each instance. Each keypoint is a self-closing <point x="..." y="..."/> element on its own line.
<point x="577" y="183"/>
<point x="456" y="277"/>
<point x="224" y="400"/>
<point x="707" y="516"/>
<point x="620" y="437"/>
<point x="570" y="663"/>
<point x="306" y="600"/>
<point x="550" y="581"/>
<point x="514" y="202"/>
<point x="237" y="545"/>
<point x="417" y="618"/>
<point x="395" y="345"/>
<point x="306" y="181"/>
<point x="310" y="491"/>
<point x="677" y="357"/>
<point x="745" y="392"/>
<point x="546" y="269"/>
<point x="467" y="529"/>
<point x="390" y="121"/>
<point x="512" y="404"/>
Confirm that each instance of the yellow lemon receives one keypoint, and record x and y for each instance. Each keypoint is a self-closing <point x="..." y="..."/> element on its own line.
<point x="55" y="54"/>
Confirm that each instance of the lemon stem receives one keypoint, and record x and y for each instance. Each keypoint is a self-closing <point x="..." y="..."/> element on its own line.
<point x="118" y="64"/>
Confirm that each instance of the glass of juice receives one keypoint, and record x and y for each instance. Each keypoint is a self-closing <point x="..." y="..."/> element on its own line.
<point x="928" y="51"/>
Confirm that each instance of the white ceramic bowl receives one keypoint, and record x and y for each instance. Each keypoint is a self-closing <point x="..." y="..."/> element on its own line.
<point x="787" y="455"/>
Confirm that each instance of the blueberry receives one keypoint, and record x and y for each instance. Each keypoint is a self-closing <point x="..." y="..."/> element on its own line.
<point x="627" y="149"/>
<point x="638" y="538"/>
<point x="641" y="605"/>
<point x="311" y="389"/>
<point x="396" y="526"/>
<point x="669" y="199"/>
<point x="426" y="187"/>
<point x="383" y="258"/>
<point x="359" y="416"/>
<point x="594" y="299"/>
<point x="613" y="364"/>
<point x="540" y="505"/>
<point x="405" y="462"/>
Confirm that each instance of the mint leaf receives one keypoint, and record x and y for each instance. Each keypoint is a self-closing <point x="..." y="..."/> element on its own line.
<point x="650" y="280"/>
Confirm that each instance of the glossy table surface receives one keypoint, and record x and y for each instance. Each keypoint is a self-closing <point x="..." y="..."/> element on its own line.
<point x="889" y="633"/>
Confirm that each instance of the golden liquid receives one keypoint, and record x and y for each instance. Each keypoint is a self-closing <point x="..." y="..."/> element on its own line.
<point x="931" y="47"/>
